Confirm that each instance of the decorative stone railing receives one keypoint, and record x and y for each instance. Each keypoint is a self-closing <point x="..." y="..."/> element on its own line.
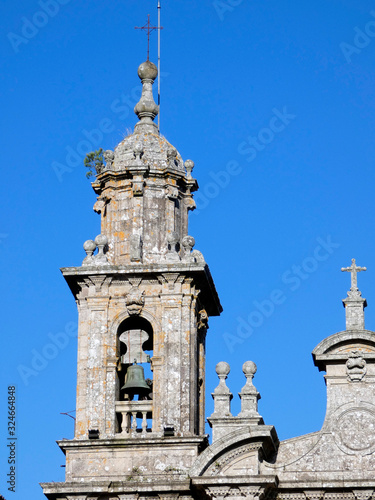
<point x="130" y="411"/>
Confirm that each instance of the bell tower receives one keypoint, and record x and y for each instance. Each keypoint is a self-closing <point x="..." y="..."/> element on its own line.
<point x="144" y="296"/>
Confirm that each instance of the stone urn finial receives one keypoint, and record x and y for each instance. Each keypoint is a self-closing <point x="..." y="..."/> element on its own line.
<point x="146" y="109"/>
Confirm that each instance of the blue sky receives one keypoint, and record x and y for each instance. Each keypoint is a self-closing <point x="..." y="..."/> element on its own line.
<point x="274" y="102"/>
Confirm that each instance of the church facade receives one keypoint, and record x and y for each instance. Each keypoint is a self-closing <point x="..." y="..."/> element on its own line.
<point x="144" y="297"/>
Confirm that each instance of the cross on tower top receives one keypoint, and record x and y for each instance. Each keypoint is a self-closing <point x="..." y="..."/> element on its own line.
<point x="353" y="269"/>
<point x="149" y="28"/>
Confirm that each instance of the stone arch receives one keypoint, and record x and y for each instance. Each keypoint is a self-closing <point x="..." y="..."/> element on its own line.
<point x="331" y="343"/>
<point x="121" y="317"/>
<point x="227" y="449"/>
<point x="113" y="330"/>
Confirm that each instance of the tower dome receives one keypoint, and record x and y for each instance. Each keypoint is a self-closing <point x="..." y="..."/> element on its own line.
<point x="145" y="189"/>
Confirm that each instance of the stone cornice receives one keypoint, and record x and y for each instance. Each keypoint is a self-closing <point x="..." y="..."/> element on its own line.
<point x="326" y="351"/>
<point x="167" y="484"/>
<point x="198" y="271"/>
<point x="327" y="485"/>
<point x="116" y="177"/>
<point x="138" y="443"/>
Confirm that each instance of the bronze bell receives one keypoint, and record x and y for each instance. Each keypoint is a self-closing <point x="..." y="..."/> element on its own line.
<point x="135" y="381"/>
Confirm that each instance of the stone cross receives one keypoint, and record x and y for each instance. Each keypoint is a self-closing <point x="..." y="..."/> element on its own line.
<point x="353" y="269"/>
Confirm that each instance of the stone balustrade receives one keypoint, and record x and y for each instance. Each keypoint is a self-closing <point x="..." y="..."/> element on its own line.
<point x="131" y="411"/>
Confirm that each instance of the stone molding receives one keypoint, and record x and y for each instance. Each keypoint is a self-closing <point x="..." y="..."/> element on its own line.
<point x="259" y="435"/>
<point x="196" y="274"/>
<point x="215" y="468"/>
<point x="330" y="349"/>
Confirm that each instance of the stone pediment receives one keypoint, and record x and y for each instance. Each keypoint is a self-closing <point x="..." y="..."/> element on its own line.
<point x="338" y="346"/>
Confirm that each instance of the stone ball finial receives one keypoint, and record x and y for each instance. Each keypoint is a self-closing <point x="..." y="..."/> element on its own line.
<point x="138" y="148"/>
<point x="249" y="368"/>
<point x="173" y="238"/>
<point x="89" y="247"/>
<point x="171" y="153"/>
<point x="188" y="242"/>
<point x="172" y="157"/>
<point x="189" y="165"/>
<point x="101" y="240"/>
<point x="222" y="369"/>
<point x="147" y="71"/>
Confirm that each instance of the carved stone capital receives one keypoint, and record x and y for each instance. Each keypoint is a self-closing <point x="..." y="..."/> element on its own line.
<point x="363" y="494"/>
<point x="314" y="494"/>
<point x="218" y="492"/>
<point x="168" y="496"/>
<point x="252" y="492"/>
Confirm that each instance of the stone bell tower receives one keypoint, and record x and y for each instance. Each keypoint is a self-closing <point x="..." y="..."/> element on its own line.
<point x="144" y="297"/>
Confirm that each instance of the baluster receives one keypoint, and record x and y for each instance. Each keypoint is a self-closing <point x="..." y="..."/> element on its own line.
<point x="144" y="423"/>
<point x="128" y="422"/>
<point x="134" y="423"/>
<point x="124" y="425"/>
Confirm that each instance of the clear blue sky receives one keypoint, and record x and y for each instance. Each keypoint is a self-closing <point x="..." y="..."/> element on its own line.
<point x="274" y="101"/>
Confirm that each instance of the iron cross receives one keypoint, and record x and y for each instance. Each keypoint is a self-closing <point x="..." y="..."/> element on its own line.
<point x="149" y="28"/>
<point x="353" y="269"/>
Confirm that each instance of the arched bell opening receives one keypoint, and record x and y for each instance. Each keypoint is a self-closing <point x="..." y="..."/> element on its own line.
<point x="135" y="349"/>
